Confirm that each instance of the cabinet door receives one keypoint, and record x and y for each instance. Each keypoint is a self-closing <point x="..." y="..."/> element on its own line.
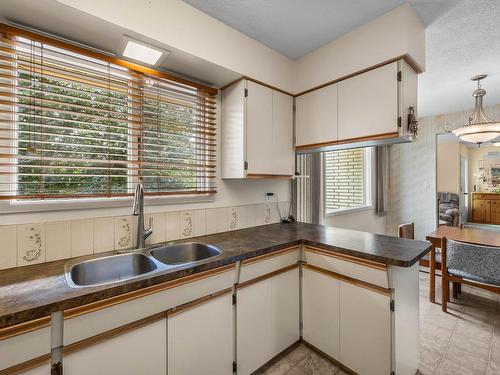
<point x="368" y="103"/>
<point x="267" y="320"/>
<point x="320" y="308"/>
<point x="283" y="153"/>
<point x="481" y="210"/>
<point x="316" y="116"/>
<point x="365" y="330"/>
<point x="259" y="129"/>
<point x="201" y="339"/>
<point x="495" y="211"/>
<point x="140" y="351"/>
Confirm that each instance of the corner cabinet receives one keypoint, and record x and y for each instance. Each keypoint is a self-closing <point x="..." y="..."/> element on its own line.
<point x="371" y="106"/>
<point x="257" y="131"/>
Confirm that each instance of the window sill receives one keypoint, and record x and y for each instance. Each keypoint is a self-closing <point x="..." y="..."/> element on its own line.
<point x="345" y="211"/>
<point x="85" y="204"/>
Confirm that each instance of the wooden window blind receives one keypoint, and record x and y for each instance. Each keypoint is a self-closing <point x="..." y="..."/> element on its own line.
<point x="344" y="174"/>
<point x="75" y="124"/>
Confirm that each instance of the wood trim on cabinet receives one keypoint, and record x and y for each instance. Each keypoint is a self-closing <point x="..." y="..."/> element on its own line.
<point x="27" y="365"/>
<point x="348" y="258"/>
<point x="374" y="137"/>
<point x="269" y="176"/>
<point x="189" y="305"/>
<point x="101" y="56"/>
<point x="273" y="254"/>
<point x="350" y="280"/>
<point x="99" y="305"/>
<point x="93" y="340"/>
<point x="258" y="82"/>
<point x="267" y="276"/>
<point x="407" y="58"/>
<point x="25" y="327"/>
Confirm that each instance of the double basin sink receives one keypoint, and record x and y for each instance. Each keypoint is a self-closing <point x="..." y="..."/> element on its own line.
<point x="121" y="267"/>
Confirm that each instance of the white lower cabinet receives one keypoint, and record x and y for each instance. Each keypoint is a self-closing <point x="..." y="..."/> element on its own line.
<point x="267" y="319"/>
<point x="321" y="313"/>
<point x="365" y="330"/>
<point x="41" y="370"/>
<point x="140" y="351"/>
<point x="200" y="339"/>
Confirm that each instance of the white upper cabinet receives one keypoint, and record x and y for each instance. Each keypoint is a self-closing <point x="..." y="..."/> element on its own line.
<point x="316" y="117"/>
<point x="369" y="106"/>
<point x="257" y="131"/>
<point x="368" y="103"/>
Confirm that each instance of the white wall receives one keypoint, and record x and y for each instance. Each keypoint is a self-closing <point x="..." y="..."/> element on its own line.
<point x="448" y="167"/>
<point x="413" y="173"/>
<point x="393" y="34"/>
<point x="181" y="26"/>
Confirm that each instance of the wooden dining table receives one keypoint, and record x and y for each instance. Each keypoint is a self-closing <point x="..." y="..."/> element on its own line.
<point x="468" y="235"/>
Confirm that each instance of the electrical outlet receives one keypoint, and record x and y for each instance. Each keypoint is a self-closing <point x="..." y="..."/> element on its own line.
<point x="269" y="196"/>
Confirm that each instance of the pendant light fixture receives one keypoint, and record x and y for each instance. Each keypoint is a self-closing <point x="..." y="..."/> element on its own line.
<point x="480" y="127"/>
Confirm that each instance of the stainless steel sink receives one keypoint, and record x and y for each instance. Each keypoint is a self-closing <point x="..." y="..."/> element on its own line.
<point x="109" y="269"/>
<point x="184" y="253"/>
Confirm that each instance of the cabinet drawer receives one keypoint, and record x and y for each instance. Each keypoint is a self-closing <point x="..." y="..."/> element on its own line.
<point x="259" y="266"/>
<point x="360" y="269"/>
<point x="24" y="347"/>
<point x="175" y="293"/>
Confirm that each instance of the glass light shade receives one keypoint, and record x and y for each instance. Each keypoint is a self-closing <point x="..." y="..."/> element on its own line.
<point x="478" y="133"/>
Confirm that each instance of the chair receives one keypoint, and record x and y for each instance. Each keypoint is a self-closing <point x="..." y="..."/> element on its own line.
<point x="448" y="209"/>
<point x="469" y="264"/>
<point x="407" y="231"/>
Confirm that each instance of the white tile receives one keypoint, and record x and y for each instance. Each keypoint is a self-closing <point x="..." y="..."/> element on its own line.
<point x="159" y="227"/>
<point x="222" y="219"/>
<point x="267" y="213"/>
<point x="211" y="220"/>
<point x="186" y="224"/>
<point x="8" y="246"/>
<point x="236" y="217"/>
<point x="104" y="234"/>
<point x="173" y="226"/>
<point x="30" y="244"/>
<point x="275" y="217"/>
<point x="82" y="237"/>
<point x="259" y="214"/>
<point x="199" y="223"/>
<point x="58" y="240"/>
<point x="250" y="218"/>
<point x="124" y="232"/>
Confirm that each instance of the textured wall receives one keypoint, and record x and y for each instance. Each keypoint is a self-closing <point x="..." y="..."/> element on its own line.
<point x="412" y="191"/>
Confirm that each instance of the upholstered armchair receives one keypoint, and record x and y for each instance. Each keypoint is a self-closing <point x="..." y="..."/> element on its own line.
<point x="465" y="263"/>
<point x="448" y="208"/>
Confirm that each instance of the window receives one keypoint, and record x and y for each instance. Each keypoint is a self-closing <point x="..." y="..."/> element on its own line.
<point x="81" y="125"/>
<point x="347" y="180"/>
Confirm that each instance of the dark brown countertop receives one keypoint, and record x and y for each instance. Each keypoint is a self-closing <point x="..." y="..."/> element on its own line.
<point x="32" y="292"/>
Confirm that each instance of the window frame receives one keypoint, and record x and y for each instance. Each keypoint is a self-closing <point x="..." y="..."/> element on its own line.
<point x="368" y="171"/>
<point x="64" y="204"/>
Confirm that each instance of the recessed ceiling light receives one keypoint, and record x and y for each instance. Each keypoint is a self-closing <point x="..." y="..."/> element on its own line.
<point x="142" y="52"/>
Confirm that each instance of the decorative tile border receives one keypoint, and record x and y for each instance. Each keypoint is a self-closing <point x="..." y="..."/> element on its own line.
<point x="27" y="244"/>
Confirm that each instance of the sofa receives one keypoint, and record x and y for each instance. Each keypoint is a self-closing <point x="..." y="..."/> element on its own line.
<point x="448" y="208"/>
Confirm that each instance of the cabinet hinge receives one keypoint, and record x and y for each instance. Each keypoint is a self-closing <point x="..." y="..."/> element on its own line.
<point x="234" y="367"/>
<point x="400" y="120"/>
<point x="392" y="305"/>
<point x="234" y="298"/>
<point x="56" y="369"/>
<point x="400" y="76"/>
<point x="245" y="165"/>
<point x="246" y="93"/>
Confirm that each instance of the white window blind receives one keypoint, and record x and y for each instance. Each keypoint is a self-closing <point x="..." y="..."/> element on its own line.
<point x="77" y="125"/>
<point x="345" y="180"/>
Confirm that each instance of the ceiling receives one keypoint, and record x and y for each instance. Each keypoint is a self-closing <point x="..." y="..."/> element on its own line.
<point x="296" y="27"/>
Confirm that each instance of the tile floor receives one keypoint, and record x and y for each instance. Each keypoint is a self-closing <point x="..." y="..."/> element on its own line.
<point x="466" y="341"/>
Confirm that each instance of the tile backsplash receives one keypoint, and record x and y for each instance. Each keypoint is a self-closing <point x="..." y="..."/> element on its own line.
<point x="27" y="244"/>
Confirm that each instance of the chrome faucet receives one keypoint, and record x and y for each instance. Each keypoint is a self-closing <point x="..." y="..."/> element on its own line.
<point x="142" y="233"/>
